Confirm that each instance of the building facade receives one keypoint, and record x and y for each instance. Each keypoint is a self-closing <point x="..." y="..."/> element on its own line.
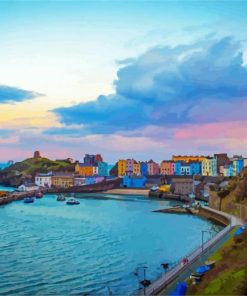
<point x="188" y="158"/>
<point x="167" y="167"/>
<point x="134" y="181"/>
<point x="238" y="165"/>
<point x="144" y="168"/>
<point x="136" y="168"/>
<point x="129" y="166"/>
<point x="79" y="181"/>
<point x="221" y="159"/>
<point x="84" y="169"/>
<point x="195" y="168"/>
<point x="43" y="180"/>
<point x="102" y="169"/>
<point x="185" y="169"/>
<point x="121" y="167"/>
<point x="28" y="187"/>
<point x="153" y="168"/>
<point x="209" y="167"/>
<point x="62" y="180"/>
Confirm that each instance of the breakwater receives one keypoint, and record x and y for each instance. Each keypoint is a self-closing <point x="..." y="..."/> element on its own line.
<point x="203" y="212"/>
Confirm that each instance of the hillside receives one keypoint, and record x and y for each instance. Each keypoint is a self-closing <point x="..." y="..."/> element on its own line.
<point x="229" y="277"/>
<point x="26" y="169"/>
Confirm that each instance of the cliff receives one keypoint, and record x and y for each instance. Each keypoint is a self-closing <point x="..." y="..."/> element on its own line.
<point x="233" y="198"/>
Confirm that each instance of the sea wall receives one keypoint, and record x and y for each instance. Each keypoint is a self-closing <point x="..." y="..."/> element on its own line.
<point x="213" y="216"/>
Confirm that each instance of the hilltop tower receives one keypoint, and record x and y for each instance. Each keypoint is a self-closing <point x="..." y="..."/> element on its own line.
<point x="37" y="154"/>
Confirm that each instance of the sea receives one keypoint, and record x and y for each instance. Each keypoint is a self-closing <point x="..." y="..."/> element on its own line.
<point x="99" y="247"/>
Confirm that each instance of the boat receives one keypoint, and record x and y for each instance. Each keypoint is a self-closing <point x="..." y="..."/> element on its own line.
<point x="154" y="188"/>
<point x="28" y="200"/>
<point x="72" y="201"/>
<point x="210" y="263"/>
<point x="203" y="269"/>
<point x="196" y="276"/>
<point x="39" y="194"/>
<point x="61" y="197"/>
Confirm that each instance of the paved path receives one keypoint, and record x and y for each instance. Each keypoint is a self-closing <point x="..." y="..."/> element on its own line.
<point x="171" y="275"/>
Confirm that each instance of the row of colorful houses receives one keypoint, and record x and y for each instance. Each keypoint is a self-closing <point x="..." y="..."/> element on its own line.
<point x="65" y="180"/>
<point x="92" y="165"/>
<point x="217" y="165"/>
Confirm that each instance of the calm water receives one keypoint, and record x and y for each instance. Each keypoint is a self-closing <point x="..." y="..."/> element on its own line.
<point x="5" y="188"/>
<point x="51" y="248"/>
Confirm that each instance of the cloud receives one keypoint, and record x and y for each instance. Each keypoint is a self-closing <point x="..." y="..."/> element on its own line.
<point x="169" y="86"/>
<point x="10" y="94"/>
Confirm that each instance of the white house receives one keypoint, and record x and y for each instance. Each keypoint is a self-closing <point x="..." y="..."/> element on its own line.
<point x="43" y="180"/>
<point x="28" y="187"/>
<point x="79" y="181"/>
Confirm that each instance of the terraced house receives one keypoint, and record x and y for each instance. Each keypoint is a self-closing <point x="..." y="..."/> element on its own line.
<point x="121" y="167"/>
<point x="62" y="180"/>
<point x="209" y="167"/>
<point x="153" y="168"/>
<point x="136" y="168"/>
<point x="85" y="170"/>
<point x="167" y="167"/>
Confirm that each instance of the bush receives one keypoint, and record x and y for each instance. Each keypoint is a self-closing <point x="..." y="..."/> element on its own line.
<point x="223" y="193"/>
<point x="212" y="188"/>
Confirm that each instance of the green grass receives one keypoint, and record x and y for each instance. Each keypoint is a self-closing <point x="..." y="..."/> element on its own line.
<point x="229" y="281"/>
<point x="229" y="276"/>
<point x="14" y="174"/>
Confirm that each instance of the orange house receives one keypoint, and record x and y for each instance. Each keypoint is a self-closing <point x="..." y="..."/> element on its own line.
<point x="86" y="169"/>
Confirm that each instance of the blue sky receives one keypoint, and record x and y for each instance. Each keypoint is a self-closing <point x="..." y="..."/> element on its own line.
<point x="70" y="70"/>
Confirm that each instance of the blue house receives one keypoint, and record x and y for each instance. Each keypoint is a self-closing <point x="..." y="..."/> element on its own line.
<point x="90" y="180"/>
<point x="102" y="168"/>
<point x="144" y="168"/>
<point x="238" y="165"/>
<point x="134" y="181"/>
<point x="195" y="168"/>
<point x="178" y="166"/>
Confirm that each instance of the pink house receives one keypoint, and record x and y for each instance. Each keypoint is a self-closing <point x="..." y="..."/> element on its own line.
<point x="153" y="168"/>
<point x="129" y="166"/>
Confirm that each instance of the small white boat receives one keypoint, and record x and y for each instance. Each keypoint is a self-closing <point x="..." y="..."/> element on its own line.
<point x="72" y="201"/>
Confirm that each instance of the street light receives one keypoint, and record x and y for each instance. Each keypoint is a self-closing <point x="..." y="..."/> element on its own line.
<point x="145" y="282"/>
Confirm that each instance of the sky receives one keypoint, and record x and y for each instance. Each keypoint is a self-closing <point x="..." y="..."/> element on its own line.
<point x="142" y="79"/>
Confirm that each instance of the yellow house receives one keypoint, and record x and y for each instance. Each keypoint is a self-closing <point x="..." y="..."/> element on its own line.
<point x="121" y="167"/>
<point x="85" y="169"/>
<point x="136" y="168"/>
<point x="63" y="180"/>
<point x="188" y="158"/>
<point x="209" y="167"/>
<point x="165" y="188"/>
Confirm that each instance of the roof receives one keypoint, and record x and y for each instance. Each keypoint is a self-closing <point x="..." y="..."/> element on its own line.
<point x="30" y="185"/>
<point x="63" y="174"/>
<point x="87" y="165"/>
<point x="44" y="175"/>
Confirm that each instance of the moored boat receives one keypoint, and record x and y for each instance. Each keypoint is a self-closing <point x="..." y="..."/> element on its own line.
<point x="61" y="197"/>
<point x="39" y="194"/>
<point x="72" y="201"/>
<point x="28" y="200"/>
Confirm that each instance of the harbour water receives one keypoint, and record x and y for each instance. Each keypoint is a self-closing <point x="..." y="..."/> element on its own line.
<point x="49" y="248"/>
<point x="5" y="188"/>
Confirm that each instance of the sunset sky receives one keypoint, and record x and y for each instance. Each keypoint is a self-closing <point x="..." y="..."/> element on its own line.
<point x="142" y="79"/>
